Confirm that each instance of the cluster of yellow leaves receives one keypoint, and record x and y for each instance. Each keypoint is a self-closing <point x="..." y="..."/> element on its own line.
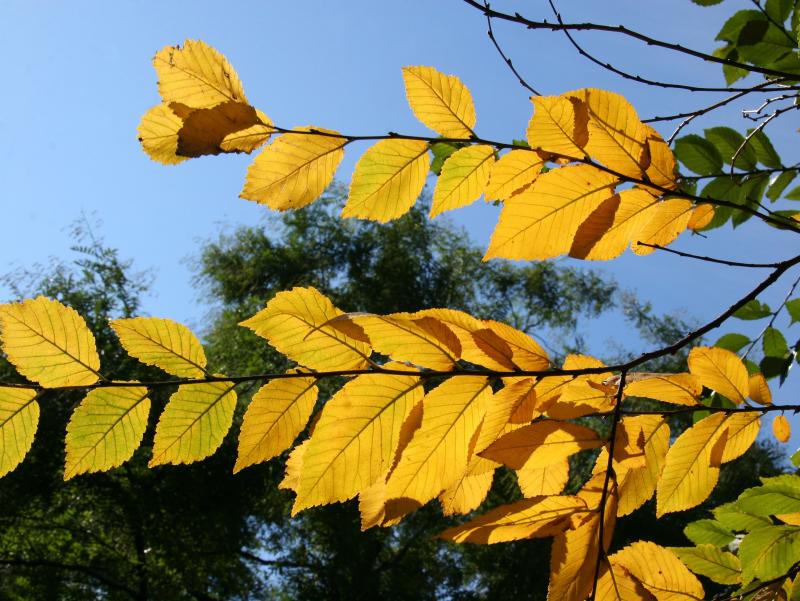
<point x="561" y="194"/>
<point x="393" y="438"/>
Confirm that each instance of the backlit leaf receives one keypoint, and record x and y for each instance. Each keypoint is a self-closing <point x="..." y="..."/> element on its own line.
<point x="777" y="495"/>
<point x="49" y="343"/>
<point x="701" y="216"/>
<point x="741" y="431"/>
<point x="573" y="557"/>
<point x="721" y="371"/>
<point x="163" y="343"/>
<point x="667" y="220"/>
<point x="247" y="140"/>
<point x="698" y="154"/>
<point x="463" y="178"/>
<point x="526" y="353"/>
<point x="707" y="560"/>
<point x="387" y="180"/>
<point x="636" y="485"/>
<point x="679" y="389"/>
<point x="781" y="428"/>
<point x="295" y="169"/>
<point x="463" y="326"/>
<point x="663" y="166"/>
<point x="559" y="125"/>
<point x="19" y="417"/>
<point x="512" y="172"/>
<point x="661" y="573"/>
<point x="106" y="428"/>
<point x="158" y="134"/>
<point x="769" y="552"/>
<point x="193" y="423"/>
<point x="708" y="532"/>
<point x="471" y="488"/>
<point x="545" y="480"/>
<point x="204" y="130"/>
<point x="616" y="584"/>
<point x="440" y="101"/>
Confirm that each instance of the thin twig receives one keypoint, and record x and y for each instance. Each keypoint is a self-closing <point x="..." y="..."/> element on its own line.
<point x="760" y="127"/>
<point x="505" y="58"/>
<point x="773" y="318"/>
<point x="687" y="255"/>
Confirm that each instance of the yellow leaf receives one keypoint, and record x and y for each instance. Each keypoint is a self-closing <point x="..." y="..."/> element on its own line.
<point x="355" y="438"/>
<point x="196" y="75"/>
<point x="204" y="130"/>
<point x="505" y="404"/>
<point x="49" y="343"/>
<point x="781" y="428"/>
<point x="158" y="134"/>
<point x="295" y="169"/>
<point x="558" y="125"/>
<point x="659" y="571"/>
<point x="440" y="450"/>
<point x="720" y="370"/>
<point x="163" y="343"/>
<point x="277" y="413"/>
<point x="582" y="395"/>
<point x="759" y="389"/>
<point x="294" y="468"/>
<point x="662" y="168"/>
<point x="19" y="417"/>
<point x="247" y="140"/>
<point x="106" y="429"/>
<point x="470" y="489"/>
<point x="541" y="221"/>
<point x="616" y="584"/>
<point x="679" y="389"/>
<point x="463" y="178"/>
<point x="193" y="423"/>
<point x="667" y="220"/>
<point x="741" y="431"/>
<point x="423" y="341"/>
<point x="572" y="561"/>
<point x="372" y="504"/>
<point x="691" y="468"/>
<point x="526" y="353"/>
<point x="541" y="443"/>
<point x="440" y="101"/>
<point x="617" y="138"/>
<point x="636" y="485"/>
<point x="296" y="323"/>
<point x="538" y="517"/>
<point x="512" y="172"/>
<point x="388" y="179"/>
<point x="701" y="217"/>
<point x="545" y="480"/>
<point x="789" y="518"/>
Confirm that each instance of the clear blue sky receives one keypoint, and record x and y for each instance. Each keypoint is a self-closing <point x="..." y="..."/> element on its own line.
<point x="78" y="77"/>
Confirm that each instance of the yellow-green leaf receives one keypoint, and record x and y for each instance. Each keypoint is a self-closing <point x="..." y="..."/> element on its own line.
<point x="720" y="370"/>
<point x="541" y="221"/>
<point x="388" y="179"/>
<point x="49" y="343"/>
<point x="277" y="413"/>
<point x="19" y="417"/>
<point x="440" y="101"/>
<point x="163" y="343"/>
<point x="512" y="172"/>
<point x="106" y="428"/>
<point x="661" y="573"/>
<point x="193" y="423"/>
<point x="158" y="134"/>
<point x="295" y="169"/>
<point x="297" y="324"/>
<point x="769" y="552"/>
<point x="463" y="178"/>
<point x="707" y="560"/>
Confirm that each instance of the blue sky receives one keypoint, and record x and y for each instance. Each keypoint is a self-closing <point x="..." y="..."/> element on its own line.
<point x="78" y="78"/>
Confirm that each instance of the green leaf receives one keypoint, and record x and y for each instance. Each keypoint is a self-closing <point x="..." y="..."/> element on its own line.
<point x="779" y="184"/>
<point x="731" y="516"/>
<point x="779" y="10"/>
<point x="793" y="194"/>
<point x="764" y="150"/>
<point x="732" y="342"/>
<point x="707" y="560"/>
<point x="732" y="74"/>
<point x="775" y="366"/>
<point x="753" y="310"/>
<point x="795" y="459"/>
<point x="769" y="552"/>
<point x="698" y="154"/>
<point x="707" y="2"/>
<point x="780" y="494"/>
<point x="732" y="28"/>
<point x="793" y="307"/>
<point x="708" y="532"/>
<point x="727" y="142"/>
<point x="774" y="343"/>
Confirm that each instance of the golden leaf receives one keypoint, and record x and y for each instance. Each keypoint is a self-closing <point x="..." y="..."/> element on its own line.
<point x="659" y="571"/>
<point x="759" y="389"/>
<point x="440" y="101"/>
<point x="526" y="353"/>
<point x="277" y="413"/>
<point x="558" y="125"/>
<point x="679" y="389"/>
<point x="701" y="217"/>
<point x="781" y="428"/>
<point x="164" y="343"/>
<point x="616" y="584"/>
<point x="463" y="178"/>
<point x="741" y="431"/>
<point x="471" y="488"/>
<point x="49" y="343"/>
<point x="512" y="172"/>
<point x="247" y="140"/>
<point x="294" y="468"/>
<point x="663" y="167"/>
<point x="667" y="220"/>
<point x="204" y="130"/>
<point x="158" y="134"/>
<point x="19" y="417"/>
<point x="545" y="480"/>
<point x="388" y="179"/>
<point x="106" y="428"/>
<point x="720" y="370"/>
<point x="572" y="560"/>
<point x="295" y="169"/>
<point x="636" y="485"/>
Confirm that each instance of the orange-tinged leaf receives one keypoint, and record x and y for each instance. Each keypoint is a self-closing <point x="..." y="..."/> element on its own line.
<point x="470" y="489"/>
<point x="636" y="485"/>
<point x="720" y="370"/>
<point x="247" y="140"/>
<point x="196" y="75"/>
<point x="504" y="405"/>
<point x="463" y="179"/>
<point x="616" y="584"/>
<point x="759" y="389"/>
<point x="541" y="221"/>
<point x="538" y="517"/>
<point x="277" y="413"/>
<point x="662" y="168"/>
<point x="204" y="130"/>
<point x="193" y="423"/>
<point x="781" y="428"/>
<point x="701" y="217"/>
<point x="19" y="417"/>
<point x="512" y="172"/>
<point x="423" y="341"/>
<point x="355" y="438"/>
<point x="659" y="571"/>
<point x="526" y="353"/>
<point x="667" y="220"/>
<point x="558" y="125"/>
<point x="106" y="428"/>
<point x="164" y="343"/>
<point x="158" y="134"/>
<point x="741" y="431"/>
<point x="440" y="101"/>
<point x="388" y="179"/>
<point x="295" y="169"/>
<point x="541" y="443"/>
<point x="691" y="468"/>
<point x="679" y="389"/>
<point x="296" y="323"/>
<point x="545" y="480"/>
<point x="495" y="347"/>
<point x="49" y="343"/>
<point x="440" y="450"/>
<point x="572" y="560"/>
<point x="580" y="397"/>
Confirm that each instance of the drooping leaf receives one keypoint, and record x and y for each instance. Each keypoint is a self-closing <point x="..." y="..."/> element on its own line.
<point x="781" y="428"/>
<point x="616" y="584"/>
<point x="774" y="344"/>
<point x="721" y="371"/>
<point x="698" y="154"/>
<point x="295" y="169"/>
<point x="106" y="428"/>
<point x="661" y="573"/>
<point x="19" y="417"/>
<point x="764" y="150"/>
<point x="164" y="343"/>
<point x="250" y="138"/>
<point x="759" y="389"/>
<point x="679" y="389"/>
<point x="440" y="101"/>
<point x="741" y="431"/>
<point x="297" y="323"/>
<point x="294" y="467"/>
<point x="702" y="216"/>
<point x="387" y="180"/>
<point x="636" y="484"/>
<point x="463" y="178"/>
<point x="779" y="184"/>
<point x="769" y="552"/>
<point x="572" y="560"/>
<point x="559" y="126"/>
<point x="512" y="172"/>
<point x="707" y="560"/>
<point x="663" y="166"/>
<point x="49" y="343"/>
<point x="193" y="423"/>
<point x="277" y="413"/>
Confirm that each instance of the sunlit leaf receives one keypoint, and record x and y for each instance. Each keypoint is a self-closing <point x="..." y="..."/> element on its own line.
<point x="512" y="172"/>
<point x="707" y="560"/>
<point x="19" y="417"/>
<point x="158" y="134"/>
<point x="559" y="125"/>
<point x="759" y="389"/>
<point x="769" y="552"/>
<point x="573" y="558"/>
<point x="661" y="573"/>
<point x="471" y="488"/>
<point x="720" y="370"/>
<point x="440" y="101"/>
<point x="781" y="428"/>
<point x="679" y="389"/>
<point x="545" y="480"/>
<point x="463" y="178"/>
<point x="163" y="343"/>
